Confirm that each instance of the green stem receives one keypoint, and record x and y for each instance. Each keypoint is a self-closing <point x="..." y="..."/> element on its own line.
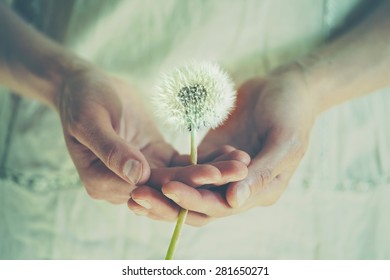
<point x="176" y="233"/>
<point x="194" y="148"/>
<point x="183" y="212"/>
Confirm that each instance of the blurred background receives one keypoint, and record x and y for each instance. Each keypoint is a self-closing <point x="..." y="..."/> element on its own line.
<point x="336" y="205"/>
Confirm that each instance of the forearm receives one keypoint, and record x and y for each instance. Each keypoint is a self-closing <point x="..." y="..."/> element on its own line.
<point x="31" y="64"/>
<point x="354" y="64"/>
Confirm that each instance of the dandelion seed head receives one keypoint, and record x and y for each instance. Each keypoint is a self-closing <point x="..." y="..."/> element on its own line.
<point x="199" y="95"/>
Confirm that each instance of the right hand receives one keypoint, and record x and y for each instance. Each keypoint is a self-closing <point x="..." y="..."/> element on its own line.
<point x="111" y="139"/>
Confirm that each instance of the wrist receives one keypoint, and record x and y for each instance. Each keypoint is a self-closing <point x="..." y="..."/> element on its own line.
<point x="56" y="68"/>
<point x="295" y="78"/>
<point x="65" y="69"/>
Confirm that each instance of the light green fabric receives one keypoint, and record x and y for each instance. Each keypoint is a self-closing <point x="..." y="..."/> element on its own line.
<point x="335" y="206"/>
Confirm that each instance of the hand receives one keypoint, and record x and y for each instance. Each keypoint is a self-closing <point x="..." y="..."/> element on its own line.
<point x="221" y="166"/>
<point x="272" y="122"/>
<point x="111" y="139"/>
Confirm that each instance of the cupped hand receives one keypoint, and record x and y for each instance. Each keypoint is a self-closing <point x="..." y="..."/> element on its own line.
<point x="200" y="182"/>
<point x="272" y="123"/>
<point x="110" y="137"/>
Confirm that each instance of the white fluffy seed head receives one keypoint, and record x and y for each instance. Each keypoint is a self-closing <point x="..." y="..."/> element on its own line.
<point x="195" y="96"/>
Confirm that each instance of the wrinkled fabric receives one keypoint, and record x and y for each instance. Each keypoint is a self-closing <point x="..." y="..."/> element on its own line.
<point x="334" y="208"/>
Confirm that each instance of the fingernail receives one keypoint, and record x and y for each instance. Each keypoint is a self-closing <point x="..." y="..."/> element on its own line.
<point x="133" y="170"/>
<point x="172" y="196"/>
<point x="143" y="203"/>
<point x="140" y="212"/>
<point x="243" y="193"/>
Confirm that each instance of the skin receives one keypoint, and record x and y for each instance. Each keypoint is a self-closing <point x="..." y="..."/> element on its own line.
<point x="151" y="201"/>
<point x="275" y="116"/>
<point x="112" y="141"/>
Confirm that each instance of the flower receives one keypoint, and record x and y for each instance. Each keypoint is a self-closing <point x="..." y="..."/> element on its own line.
<point x="195" y="96"/>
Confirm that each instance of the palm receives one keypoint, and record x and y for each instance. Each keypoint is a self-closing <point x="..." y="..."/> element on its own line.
<point x="105" y="126"/>
<point x="142" y="133"/>
<point x="242" y="130"/>
<point x="272" y="123"/>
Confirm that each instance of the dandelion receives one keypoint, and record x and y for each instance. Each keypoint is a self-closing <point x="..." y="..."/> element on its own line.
<point x="196" y="96"/>
<point x="199" y="95"/>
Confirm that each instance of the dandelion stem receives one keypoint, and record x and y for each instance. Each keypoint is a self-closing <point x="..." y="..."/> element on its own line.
<point x="176" y="234"/>
<point x="183" y="212"/>
<point x="194" y="150"/>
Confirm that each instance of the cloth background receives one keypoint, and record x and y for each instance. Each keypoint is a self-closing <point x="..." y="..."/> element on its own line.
<point x="334" y="208"/>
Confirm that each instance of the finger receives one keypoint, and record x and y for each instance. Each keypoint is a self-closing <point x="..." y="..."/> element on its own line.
<point x="162" y="208"/>
<point x="102" y="184"/>
<point x="197" y="219"/>
<point x="207" y="202"/>
<point x="204" y="156"/>
<point x="274" y="157"/>
<point x="146" y="199"/>
<point x="162" y="213"/>
<point x="193" y="175"/>
<point x="231" y="171"/>
<point x="215" y="173"/>
<point x="122" y="158"/>
<point x="193" y="219"/>
<point x="136" y="208"/>
<point x="237" y="155"/>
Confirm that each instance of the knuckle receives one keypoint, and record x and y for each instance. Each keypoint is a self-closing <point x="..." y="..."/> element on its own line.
<point x="77" y="120"/>
<point x="110" y="151"/>
<point x="75" y="128"/>
<point x="81" y="130"/>
<point x="297" y="144"/>
<point x="262" y="176"/>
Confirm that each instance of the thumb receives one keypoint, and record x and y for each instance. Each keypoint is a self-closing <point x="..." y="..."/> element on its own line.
<point x="263" y="169"/>
<point x="122" y="158"/>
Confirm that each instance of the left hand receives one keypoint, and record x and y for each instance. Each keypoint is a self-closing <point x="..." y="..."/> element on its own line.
<point x="272" y="123"/>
